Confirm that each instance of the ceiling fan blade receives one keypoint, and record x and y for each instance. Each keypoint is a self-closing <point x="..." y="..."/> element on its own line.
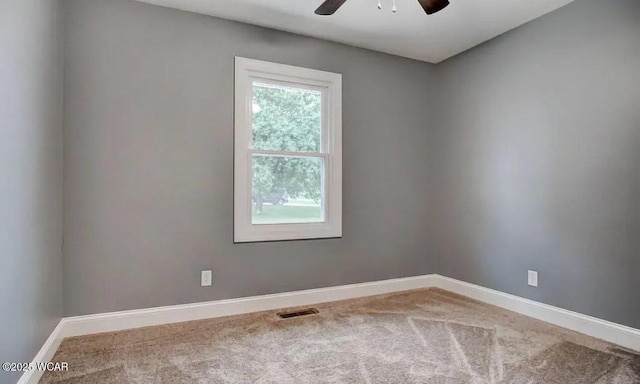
<point x="329" y="7"/>
<point x="433" y="6"/>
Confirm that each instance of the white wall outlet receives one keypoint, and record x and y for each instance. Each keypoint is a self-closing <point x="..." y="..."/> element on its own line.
<point x="206" y="278"/>
<point x="533" y="278"/>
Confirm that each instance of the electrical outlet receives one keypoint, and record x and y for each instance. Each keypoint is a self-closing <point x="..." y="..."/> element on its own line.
<point x="206" y="278"/>
<point x="533" y="278"/>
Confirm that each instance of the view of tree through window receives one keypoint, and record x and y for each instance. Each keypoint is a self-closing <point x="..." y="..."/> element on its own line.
<point x="286" y="189"/>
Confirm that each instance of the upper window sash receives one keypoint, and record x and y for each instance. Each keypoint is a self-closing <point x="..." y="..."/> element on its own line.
<point x="324" y="113"/>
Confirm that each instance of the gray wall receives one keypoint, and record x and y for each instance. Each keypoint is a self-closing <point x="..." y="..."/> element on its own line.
<point x="540" y="146"/>
<point x="31" y="177"/>
<point x="519" y="154"/>
<point x="149" y="161"/>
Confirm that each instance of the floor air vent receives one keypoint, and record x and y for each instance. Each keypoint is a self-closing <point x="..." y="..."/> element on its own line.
<point x="304" y="312"/>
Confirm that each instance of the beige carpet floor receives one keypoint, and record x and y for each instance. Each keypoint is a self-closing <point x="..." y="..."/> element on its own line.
<point x="424" y="336"/>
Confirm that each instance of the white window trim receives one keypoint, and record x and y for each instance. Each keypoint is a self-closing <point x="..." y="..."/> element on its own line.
<point x="244" y="230"/>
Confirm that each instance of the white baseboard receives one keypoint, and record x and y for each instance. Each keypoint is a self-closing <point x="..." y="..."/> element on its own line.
<point x="115" y="321"/>
<point x="45" y="354"/>
<point x="605" y="330"/>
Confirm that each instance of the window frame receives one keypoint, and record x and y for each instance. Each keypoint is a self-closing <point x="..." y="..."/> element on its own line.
<point x="330" y="84"/>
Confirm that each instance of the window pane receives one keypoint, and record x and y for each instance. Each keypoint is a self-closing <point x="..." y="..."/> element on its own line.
<point x="286" y="118"/>
<point x="287" y="190"/>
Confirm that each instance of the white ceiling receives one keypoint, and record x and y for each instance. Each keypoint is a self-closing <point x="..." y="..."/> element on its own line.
<point x="409" y="32"/>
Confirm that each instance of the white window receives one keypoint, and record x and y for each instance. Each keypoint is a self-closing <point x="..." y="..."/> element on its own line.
<point x="288" y="152"/>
